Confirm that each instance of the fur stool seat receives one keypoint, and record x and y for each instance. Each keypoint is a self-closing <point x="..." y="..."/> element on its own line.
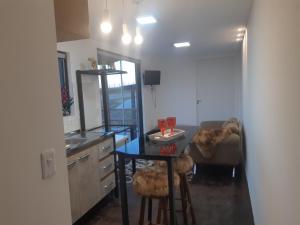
<point x="152" y="182"/>
<point x="182" y="165"/>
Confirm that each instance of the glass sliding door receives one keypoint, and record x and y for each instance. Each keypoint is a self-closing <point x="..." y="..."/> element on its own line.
<point x="123" y="99"/>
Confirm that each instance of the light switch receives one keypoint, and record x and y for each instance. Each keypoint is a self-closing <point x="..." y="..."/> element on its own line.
<point x="48" y="163"/>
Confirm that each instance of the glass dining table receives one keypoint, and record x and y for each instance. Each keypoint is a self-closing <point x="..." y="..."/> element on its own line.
<point x="143" y="148"/>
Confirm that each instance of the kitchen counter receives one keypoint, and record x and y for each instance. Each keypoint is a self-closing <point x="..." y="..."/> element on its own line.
<point x="76" y="142"/>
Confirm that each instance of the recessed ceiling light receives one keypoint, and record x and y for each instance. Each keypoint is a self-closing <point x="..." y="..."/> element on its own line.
<point x="240" y="35"/>
<point x="146" y="20"/>
<point x="182" y="44"/>
<point x="239" y="39"/>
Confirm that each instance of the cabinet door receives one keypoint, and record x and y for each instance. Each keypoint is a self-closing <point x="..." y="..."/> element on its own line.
<point x="106" y="166"/>
<point x="105" y="148"/>
<point x="73" y="174"/>
<point x="88" y="180"/>
<point x="108" y="184"/>
<point x="95" y="174"/>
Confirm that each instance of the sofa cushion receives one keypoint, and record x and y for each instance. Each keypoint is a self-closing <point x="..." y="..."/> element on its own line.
<point x="211" y="124"/>
<point x="232" y="126"/>
<point x="227" y="152"/>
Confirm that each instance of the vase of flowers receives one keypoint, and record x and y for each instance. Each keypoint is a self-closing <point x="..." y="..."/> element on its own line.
<point x="66" y="101"/>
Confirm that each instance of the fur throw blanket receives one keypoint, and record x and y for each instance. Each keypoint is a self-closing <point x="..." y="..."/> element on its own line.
<point x="182" y="164"/>
<point x="206" y="140"/>
<point x="153" y="182"/>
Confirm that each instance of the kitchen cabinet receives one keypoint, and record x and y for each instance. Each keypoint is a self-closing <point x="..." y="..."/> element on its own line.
<point x="91" y="177"/>
<point x="74" y="188"/>
<point x="107" y="185"/>
<point x="89" y="187"/>
<point x="105" y="167"/>
<point x="72" y="20"/>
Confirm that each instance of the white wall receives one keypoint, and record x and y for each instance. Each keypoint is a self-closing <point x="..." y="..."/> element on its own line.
<point x="176" y="94"/>
<point x="92" y="101"/>
<point x="219" y="88"/>
<point x="219" y="79"/>
<point x="78" y="54"/>
<point x="216" y="81"/>
<point x="30" y="116"/>
<point x="271" y="111"/>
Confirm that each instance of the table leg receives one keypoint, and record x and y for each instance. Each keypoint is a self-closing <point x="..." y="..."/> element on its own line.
<point x="171" y="191"/>
<point x="123" y="190"/>
<point x="116" y="191"/>
<point x="133" y="166"/>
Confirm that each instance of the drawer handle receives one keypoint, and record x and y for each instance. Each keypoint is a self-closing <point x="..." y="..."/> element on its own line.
<point x="108" y="186"/>
<point x="106" y="148"/>
<point x="70" y="165"/>
<point x="107" y="167"/>
<point x="84" y="157"/>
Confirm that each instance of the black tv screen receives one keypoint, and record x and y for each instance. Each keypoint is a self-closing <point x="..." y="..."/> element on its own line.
<point x="152" y="77"/>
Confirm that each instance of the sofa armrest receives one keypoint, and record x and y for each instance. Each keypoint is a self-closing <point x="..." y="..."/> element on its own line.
<point x="228" y="152"/>
<point x="211" y="124"/>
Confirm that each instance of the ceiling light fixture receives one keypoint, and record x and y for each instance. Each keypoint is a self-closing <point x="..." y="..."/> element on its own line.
<point x="138" y="39"/>
<point x="126" y="37"/>
<point x="241" y="29"/>
<point x="106" y="26"/>
<point x="239" y="39"/>
<point x="144" y="20"/>
<point x="240" y="35"/>
<point x="182" y="44"/>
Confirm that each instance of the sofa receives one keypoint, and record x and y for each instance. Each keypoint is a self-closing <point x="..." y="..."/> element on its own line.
<point x="227" y="153"/>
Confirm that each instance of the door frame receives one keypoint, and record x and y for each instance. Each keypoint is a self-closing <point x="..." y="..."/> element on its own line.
<point x="138" y="79"/>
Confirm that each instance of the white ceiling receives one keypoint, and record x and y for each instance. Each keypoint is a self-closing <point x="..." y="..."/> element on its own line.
<point x="209" y="25"/>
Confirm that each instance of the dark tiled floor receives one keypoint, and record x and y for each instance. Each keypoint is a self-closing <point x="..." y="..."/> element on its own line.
<point x="217" y="199"/>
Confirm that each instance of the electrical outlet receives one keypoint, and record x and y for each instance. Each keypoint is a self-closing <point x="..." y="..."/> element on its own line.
<point x="48" y="163"/>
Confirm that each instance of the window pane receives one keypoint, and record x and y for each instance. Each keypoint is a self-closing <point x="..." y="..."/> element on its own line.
<point x="129" y="93"/>
<point x="61" y="72"/>
<point x="129" y="78"/>
<point x="115" y="99"/>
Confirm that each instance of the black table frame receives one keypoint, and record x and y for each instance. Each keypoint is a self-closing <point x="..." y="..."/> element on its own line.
<point x="123" y="185"/>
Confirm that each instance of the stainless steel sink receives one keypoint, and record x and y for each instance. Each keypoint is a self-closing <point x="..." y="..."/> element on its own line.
<point x="75" y="141"/>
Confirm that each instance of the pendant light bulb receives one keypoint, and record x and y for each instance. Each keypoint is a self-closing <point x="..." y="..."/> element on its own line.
<point x="106" y="26"/>
<point x="126" y="37"/>
<point x="138" y="39"/>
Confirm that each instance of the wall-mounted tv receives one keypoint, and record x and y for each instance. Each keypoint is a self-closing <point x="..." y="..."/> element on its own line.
<point x="152" y="77"/>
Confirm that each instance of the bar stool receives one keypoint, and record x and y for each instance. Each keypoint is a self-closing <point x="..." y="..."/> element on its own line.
<point x="152" y="183"/>
<point x="182" y="165"/>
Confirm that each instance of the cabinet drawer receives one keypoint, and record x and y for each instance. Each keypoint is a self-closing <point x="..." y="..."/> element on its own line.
<point x="108" y="184"/>
<point x="105" y="148"/>
<point x="106" y="166"/>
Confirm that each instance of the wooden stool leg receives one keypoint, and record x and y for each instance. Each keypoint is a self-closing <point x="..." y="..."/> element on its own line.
<point x="159" y="209"/>
<point x="149" y="211"/>
<point x="183" y="200"/>
<point x="142" y="211"/>
<point x="165" y="211"/>
<point x="187" y="188"/>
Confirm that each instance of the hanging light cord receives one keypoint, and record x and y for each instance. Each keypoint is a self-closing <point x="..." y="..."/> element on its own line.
<point x="124" y="11"/>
